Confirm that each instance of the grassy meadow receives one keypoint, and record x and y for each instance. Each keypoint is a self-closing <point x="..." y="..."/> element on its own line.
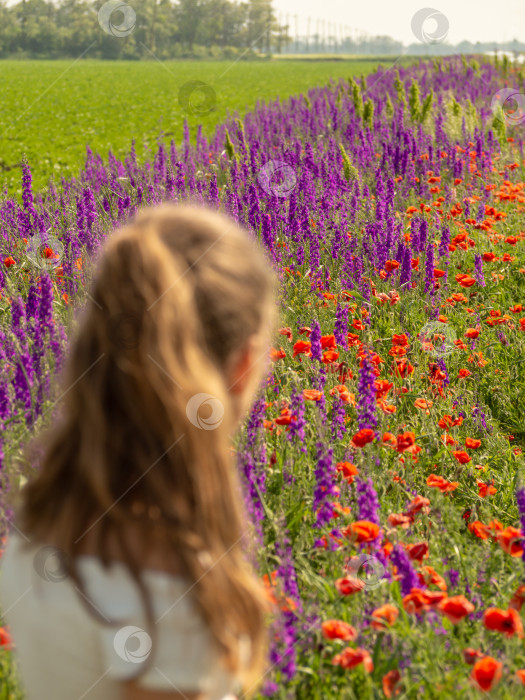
<point x="52" y="110"/>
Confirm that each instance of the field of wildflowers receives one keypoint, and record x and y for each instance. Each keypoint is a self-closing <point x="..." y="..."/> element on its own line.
<point x="383" y="461"/>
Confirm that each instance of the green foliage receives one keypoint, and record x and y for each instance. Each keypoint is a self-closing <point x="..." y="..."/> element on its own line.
<point x="400" y="90"/>
<point x="499" y="126"/>
<point x="228" y="146"/>
<point x="389" y="108"/>
<point x="454" y="116"/>
<point x="414" y="101"/>
<point x="357" y="99"/>
<point x="349" y="169"/>
<point x="368" y="114"/>
<point x="427" y="106"/>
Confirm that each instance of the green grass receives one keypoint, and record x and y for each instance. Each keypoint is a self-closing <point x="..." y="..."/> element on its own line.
<point x="51" y="110"/>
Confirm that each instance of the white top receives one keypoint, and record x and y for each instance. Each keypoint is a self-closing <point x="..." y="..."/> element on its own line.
<point x="65" y="653"/>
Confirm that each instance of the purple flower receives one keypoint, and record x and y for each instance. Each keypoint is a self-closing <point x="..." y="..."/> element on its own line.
<point x="520" y="499"/>
<point x="409" y="578"/>
<point x="478" y="270"/>
<point x="298" y="422"/>
<point x="325" y="485"/>
<point x="315" y="340"/>
<point x="341" y="325"/>
<point x="338" y="418"/>
<point x="366" y="402"/>
<point x="367" y="502"/>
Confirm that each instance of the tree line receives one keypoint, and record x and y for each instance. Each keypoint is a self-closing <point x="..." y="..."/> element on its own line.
<point x="164" y="29"/>
<point x="134" y="29"/>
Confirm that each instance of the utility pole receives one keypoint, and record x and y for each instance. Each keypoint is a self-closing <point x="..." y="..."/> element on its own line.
<point x="296" y="34"/>
<point x="308" y="35"/>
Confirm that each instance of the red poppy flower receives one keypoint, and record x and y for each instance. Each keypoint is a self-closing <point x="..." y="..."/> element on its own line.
<point x="486" y="672"/>
<point x="521" y="675"/>
<point x="506" y="621"/>
<point x="471" y="333"/>
<point x="405" y="441"/>
<point x="456" y="608"/>
<point x="353" y="657"/>
<point x="362" y="531"/>
<point x="518" y="599"/>
<point x="349" y="585"/>
<point x="479" y="529"/>
<point x="337" y="629"/>
<point x="418" y="551"/>
<point x="5" y="639"/>
<point x="329" y="356"/>
<point x="363" y="437"/>
<point x="418" y="503"/>
<point x="470" y="656"/>
<point x="429" y="576"/>
<point x="389" y="683"/>
<point x="399" y="520"/>
<point x="312" y="394"/>
<point x="384" y="616"/>
<point x="348" y="470"/>
<point x="438" y="482"/>
<point x="302" y="347"/>
<point x="277" y="354"/>
<point x="462" y="456"/>
<point x="287" y="332"/>
<point x="415" y="601"/>
<point x="328" y="342"/>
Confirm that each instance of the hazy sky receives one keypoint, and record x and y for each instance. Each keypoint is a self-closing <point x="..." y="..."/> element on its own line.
<point x="473" y="20"/>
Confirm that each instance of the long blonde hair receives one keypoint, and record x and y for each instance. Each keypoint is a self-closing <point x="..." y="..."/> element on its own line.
<point x="177" y="291"/>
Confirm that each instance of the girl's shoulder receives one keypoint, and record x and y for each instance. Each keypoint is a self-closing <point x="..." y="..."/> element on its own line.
<point x="42" y="568"/>
<point x="35" y="591"/>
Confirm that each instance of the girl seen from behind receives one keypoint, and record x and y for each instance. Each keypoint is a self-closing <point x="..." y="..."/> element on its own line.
<point x="126" y="573"/>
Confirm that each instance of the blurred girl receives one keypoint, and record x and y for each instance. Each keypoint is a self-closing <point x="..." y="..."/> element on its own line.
<point x="126" y="574"/>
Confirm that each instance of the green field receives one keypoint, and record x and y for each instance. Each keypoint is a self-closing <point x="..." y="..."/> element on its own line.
<point x="51" y="110"/>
